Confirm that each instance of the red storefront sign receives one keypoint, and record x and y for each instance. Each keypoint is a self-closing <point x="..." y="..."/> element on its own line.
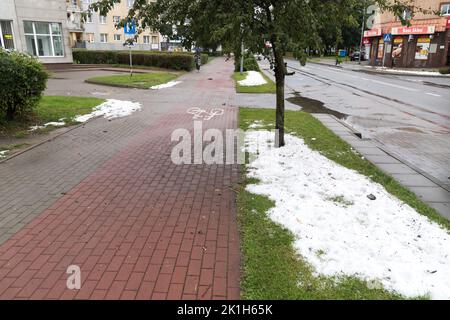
<point x="367" y="41"/>
<point x="413" y="30"/>
<point x="372" y="33"/>
<point x="448" y="23"/>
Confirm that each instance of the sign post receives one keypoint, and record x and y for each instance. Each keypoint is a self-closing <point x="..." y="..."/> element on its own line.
<point x="387" y="42"/>
<point x="131" y="62"/>
<point x="130" y="32"/>
<point x="362" y="32"/>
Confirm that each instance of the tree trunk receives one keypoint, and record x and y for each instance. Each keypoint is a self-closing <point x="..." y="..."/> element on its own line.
<point x="10" y="113"/>
<point x="280" y="74"/>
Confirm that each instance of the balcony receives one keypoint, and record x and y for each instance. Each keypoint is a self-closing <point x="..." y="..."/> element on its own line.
<point x="74" y="22"/>
<point x="80" y="44"/>
<point x="73" y="8"/>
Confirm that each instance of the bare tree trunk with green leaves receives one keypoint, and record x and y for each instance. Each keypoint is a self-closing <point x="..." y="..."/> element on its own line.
<point x="294" y="25"/>
<point x="280" y="75"/>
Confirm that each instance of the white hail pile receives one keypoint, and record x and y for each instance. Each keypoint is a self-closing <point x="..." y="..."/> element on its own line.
<point x="110" y="109"/>
<point x="339" y="230"/>
<point x="253" y="78"/>
<point x="165" y="85"/>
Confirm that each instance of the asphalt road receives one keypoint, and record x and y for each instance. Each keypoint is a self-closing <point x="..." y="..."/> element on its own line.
<point x="408" y="115"/>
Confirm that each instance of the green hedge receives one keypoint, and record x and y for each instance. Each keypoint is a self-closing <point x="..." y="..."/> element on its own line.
<point x="21" y="85"/>
<point x="166" y="60"/>
<point x="444" y="70"/>
<point x="250" y="64"/>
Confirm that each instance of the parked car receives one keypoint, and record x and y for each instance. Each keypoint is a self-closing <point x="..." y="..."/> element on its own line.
<point x="355" y="56"/>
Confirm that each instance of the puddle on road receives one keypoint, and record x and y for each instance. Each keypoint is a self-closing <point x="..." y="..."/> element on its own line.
<point x="314" y="106"/>
<point x="437" y="85"/>
<point x="410" y="129"/>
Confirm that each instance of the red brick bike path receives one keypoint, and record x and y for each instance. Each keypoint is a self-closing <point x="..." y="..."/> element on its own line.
<point x="139" y="227"/>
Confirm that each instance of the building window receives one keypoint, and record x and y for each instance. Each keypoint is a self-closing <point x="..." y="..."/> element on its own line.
<point x="130" y="3"/>
<point x="43" y="39"/>
<point x="407" y="14"/>
<point x="422" y="48"/>
<point x="89" y="37"/>
<point x="445" y="9"/>
<point x="155" y="40"/>
<point x="89" y="17"/>
<point x="102" y="19"/>
<point x="116" y="37"/>
<point x="380" y="52"/>
<point x="6" y="35"/>
<point x="146" y="39"/>
<point x="116" y="19"/>
<point x="103" y="37"/>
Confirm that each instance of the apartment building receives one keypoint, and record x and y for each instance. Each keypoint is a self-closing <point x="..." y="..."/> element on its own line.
<point x="424" y="44"/>
<point x="75" y="24"/>
<point x="100" y="32"/>
<point x="38" y="27"/>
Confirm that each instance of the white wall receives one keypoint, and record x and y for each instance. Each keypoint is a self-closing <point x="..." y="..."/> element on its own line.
<point x="8" y="12"/>
<point x="37" y="10"/>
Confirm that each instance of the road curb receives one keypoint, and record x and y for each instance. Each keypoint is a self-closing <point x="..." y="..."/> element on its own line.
<point x="45" y="141"/>
<point x="381" y="72"/>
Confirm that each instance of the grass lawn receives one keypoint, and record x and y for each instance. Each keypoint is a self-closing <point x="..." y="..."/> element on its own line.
<point x="127" y="66"/>
<point x="333" y="58"/>
<point x="141" y="81"/>
<point x="50" y="109"/>
<point x="271" y="267"/>
<point x="269" y="87"/>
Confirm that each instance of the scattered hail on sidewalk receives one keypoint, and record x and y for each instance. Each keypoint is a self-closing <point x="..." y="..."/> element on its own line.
<point x="253" y="78"/>
<point x="110" y="109"/>
<point x="339" y="230"/>
<point x="410" y="72"/>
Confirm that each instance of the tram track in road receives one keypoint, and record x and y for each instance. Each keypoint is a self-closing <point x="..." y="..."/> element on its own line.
<point x="328" y="81"/>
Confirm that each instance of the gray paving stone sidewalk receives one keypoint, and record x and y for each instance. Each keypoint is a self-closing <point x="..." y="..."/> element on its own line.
<point x="34" y="180"/>
<point x="426" y="189"/>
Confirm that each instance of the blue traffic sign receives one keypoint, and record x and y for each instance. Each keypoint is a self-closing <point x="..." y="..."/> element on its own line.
<point x="130" y="28"/>
<point x="387" y="37"/>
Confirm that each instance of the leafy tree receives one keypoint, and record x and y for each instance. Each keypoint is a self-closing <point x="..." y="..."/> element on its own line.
<point x="288" y="25"/>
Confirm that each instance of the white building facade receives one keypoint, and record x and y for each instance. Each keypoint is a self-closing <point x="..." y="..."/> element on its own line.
<point x="100" y="32"/>
<point x="38" y="27"/>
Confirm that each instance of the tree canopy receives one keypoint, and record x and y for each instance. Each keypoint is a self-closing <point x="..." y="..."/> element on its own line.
<point x="289" y="25"/>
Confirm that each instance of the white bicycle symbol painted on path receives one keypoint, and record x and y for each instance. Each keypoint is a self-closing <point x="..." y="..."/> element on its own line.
<point x="204" y="114"/>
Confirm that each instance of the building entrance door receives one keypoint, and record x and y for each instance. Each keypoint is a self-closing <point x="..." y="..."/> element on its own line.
<point x="448" y="53"/>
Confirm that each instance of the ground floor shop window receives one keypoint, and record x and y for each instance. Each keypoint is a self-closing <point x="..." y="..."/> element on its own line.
<point x="422" y="48"/>
<point x="380" y="52"/>
<point x="6" y="35"/>
<point x="44" y="39"/>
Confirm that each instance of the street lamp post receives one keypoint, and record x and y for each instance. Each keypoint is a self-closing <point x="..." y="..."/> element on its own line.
<point x="242" y="51"/>
<point x="362" y="31"/>
<point x="131" y="62"/>
<point x="242" y="58"/>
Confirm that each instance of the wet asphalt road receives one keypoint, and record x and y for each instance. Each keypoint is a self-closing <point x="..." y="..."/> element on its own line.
<point x="408" y="115"/>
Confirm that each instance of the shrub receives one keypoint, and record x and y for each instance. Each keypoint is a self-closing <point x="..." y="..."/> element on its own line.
<point x="166" y="60"/>
<point x="444" y="70"/>
<point x="205" y="58"/>
<point x="21" y="85"/>
<point x="250" y="64"/>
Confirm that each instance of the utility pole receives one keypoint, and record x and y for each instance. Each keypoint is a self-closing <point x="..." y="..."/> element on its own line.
<point x="362" y="31"/>
<point x="131" y="61"/>
<point x="242" y="51"/>
<point x="242" y="57"/>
